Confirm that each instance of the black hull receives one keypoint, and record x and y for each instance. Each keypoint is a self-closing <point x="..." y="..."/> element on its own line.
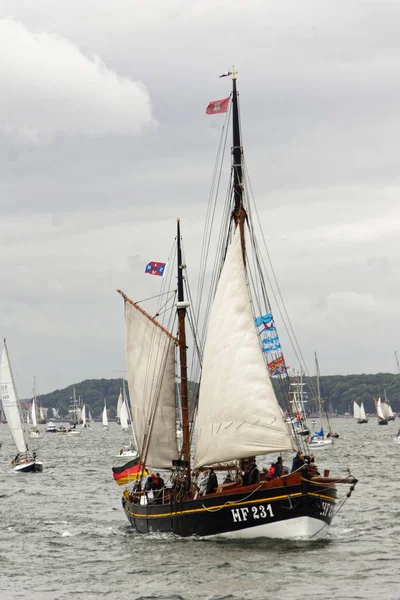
<point x="32" y="467"/>
<point x="361" y="421"/>
<point x="276" y="512"/>
<point x="382" y="422"/>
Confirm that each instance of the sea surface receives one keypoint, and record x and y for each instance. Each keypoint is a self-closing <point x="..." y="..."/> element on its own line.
<point x="63" y="533"/>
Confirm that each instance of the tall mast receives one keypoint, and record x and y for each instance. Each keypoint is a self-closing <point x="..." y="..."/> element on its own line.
<point x="239" y="213"/>
<point x="182" y="305"/>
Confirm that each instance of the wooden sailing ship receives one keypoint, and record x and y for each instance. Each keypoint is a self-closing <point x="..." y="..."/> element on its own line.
<point x="238" y="415"/>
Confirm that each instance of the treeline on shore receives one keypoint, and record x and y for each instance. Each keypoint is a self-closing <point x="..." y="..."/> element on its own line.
<point x="337" y="391"/>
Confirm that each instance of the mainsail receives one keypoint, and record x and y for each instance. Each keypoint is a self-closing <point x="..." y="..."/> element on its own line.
<point x="363" y="416"/>
<point x="83" y="415"/>
<point x="11" y="404"/>
<point x="239" y="415"/>
<point x="104" y="416"/>
<point x="34" y="420"/>
<point x="119" y="404"/>
<point x="150" y="356"/>
<point x="124" y="416"/>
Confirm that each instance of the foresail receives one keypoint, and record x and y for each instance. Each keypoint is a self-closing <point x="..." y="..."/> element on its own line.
<point x="10" y="402"/>
<point x="362" y="412"/>
<point x="34" y="420"/>
<point x="239" y="415"/>
<point x="150" y="357"/>
<point x="119" y="404"/>
<point x="385" y="410"/>
<point x="357" y="411"/>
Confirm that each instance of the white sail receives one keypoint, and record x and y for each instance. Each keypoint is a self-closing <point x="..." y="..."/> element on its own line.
<point x="385" y="410"/>
<point x="34" y="420"/>
<point x="104" y="417"/>
<point x="356" y="410"/>
<point x="11" y="406"/>
<point x="41" y="413"/>
<point x="119" y="404"/>
<point x="390" y="411"/>
<point x="363" y="416"/>
<point x="379" y="409"/>
<point x="28" y="419"/>
<point x="150" y="355"/>
<point x="83" y="415"/>
<point x="90" y="416"/>
<point x="239" y="415"/>
<point x="124" y="416"/>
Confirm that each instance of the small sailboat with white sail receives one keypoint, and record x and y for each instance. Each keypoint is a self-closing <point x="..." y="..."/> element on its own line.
<point x="104" y="416"/>
<point x="382" y="419"/>
<point x="359" y="412"/>
<point x="25" y="461"/>
<point x="85" y="421"/>
<point x="318" y="439"/>
<point x="35" y="431"/>
<point x="128" y="450"/>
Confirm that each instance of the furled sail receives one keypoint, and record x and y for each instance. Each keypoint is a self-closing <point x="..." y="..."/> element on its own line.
<point x="150" y="356"/>
<point x="357" y="411"/>
<point x="239" y="415"/>
<point x="11" y="404"/>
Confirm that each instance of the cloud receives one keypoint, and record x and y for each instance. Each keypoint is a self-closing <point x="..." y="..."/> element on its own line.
<point x="49" y="87"/>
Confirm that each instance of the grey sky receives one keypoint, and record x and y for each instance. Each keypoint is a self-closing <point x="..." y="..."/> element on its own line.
<point x="104" y="141"/>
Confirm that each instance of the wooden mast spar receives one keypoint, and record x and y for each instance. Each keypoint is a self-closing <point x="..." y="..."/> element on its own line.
<point x="182" y="306"/>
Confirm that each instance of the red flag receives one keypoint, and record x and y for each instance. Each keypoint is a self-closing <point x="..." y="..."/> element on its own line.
<point x="218" y="106"/>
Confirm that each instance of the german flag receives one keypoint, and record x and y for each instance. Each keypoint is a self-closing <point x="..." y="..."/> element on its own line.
<point x="129" y="472"/>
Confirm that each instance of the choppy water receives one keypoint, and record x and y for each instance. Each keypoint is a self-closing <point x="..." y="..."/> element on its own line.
<point x="63" y="533"/>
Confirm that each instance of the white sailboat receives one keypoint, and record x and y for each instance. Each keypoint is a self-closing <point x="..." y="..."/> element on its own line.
<point x="35" y="431"/>
<point x="129" y="450"/>
<point x="382" y="420"/>
<point x="85" y="422"/>
<point x="318" y="440"/>
<point x="25" y="461"/>
<point x="124" y="416"/>
<point x="119" y="404"/>
<point x="104" y="416"/>
<point x="359" y="413"/>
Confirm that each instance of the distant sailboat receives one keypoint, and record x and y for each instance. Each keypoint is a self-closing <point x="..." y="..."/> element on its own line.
<point x="382" y="420"/>
<point x="25" y="461"/>
<point x="318" y="439"/>
<point x="83" y="417"/>
<point x="124" y="416"/>
<point x="387" y="409"/>
<point x="359" y="413"/>
<point x="119" y="405"/>
<point x="105" y="417"/>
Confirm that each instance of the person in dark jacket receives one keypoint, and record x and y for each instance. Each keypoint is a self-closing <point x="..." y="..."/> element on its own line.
<point x="278" y="468"/>
<point x="212" y="482"/>
<point x="254" y="475"/>
<point x="245" y="476"/>
<point x="298" y="462"/>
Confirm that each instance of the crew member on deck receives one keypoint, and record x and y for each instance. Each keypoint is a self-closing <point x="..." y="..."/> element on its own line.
<point x="212" y="482"/>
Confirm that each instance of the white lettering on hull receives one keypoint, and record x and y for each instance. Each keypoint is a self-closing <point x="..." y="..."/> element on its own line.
<point x="256" y="513"/>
